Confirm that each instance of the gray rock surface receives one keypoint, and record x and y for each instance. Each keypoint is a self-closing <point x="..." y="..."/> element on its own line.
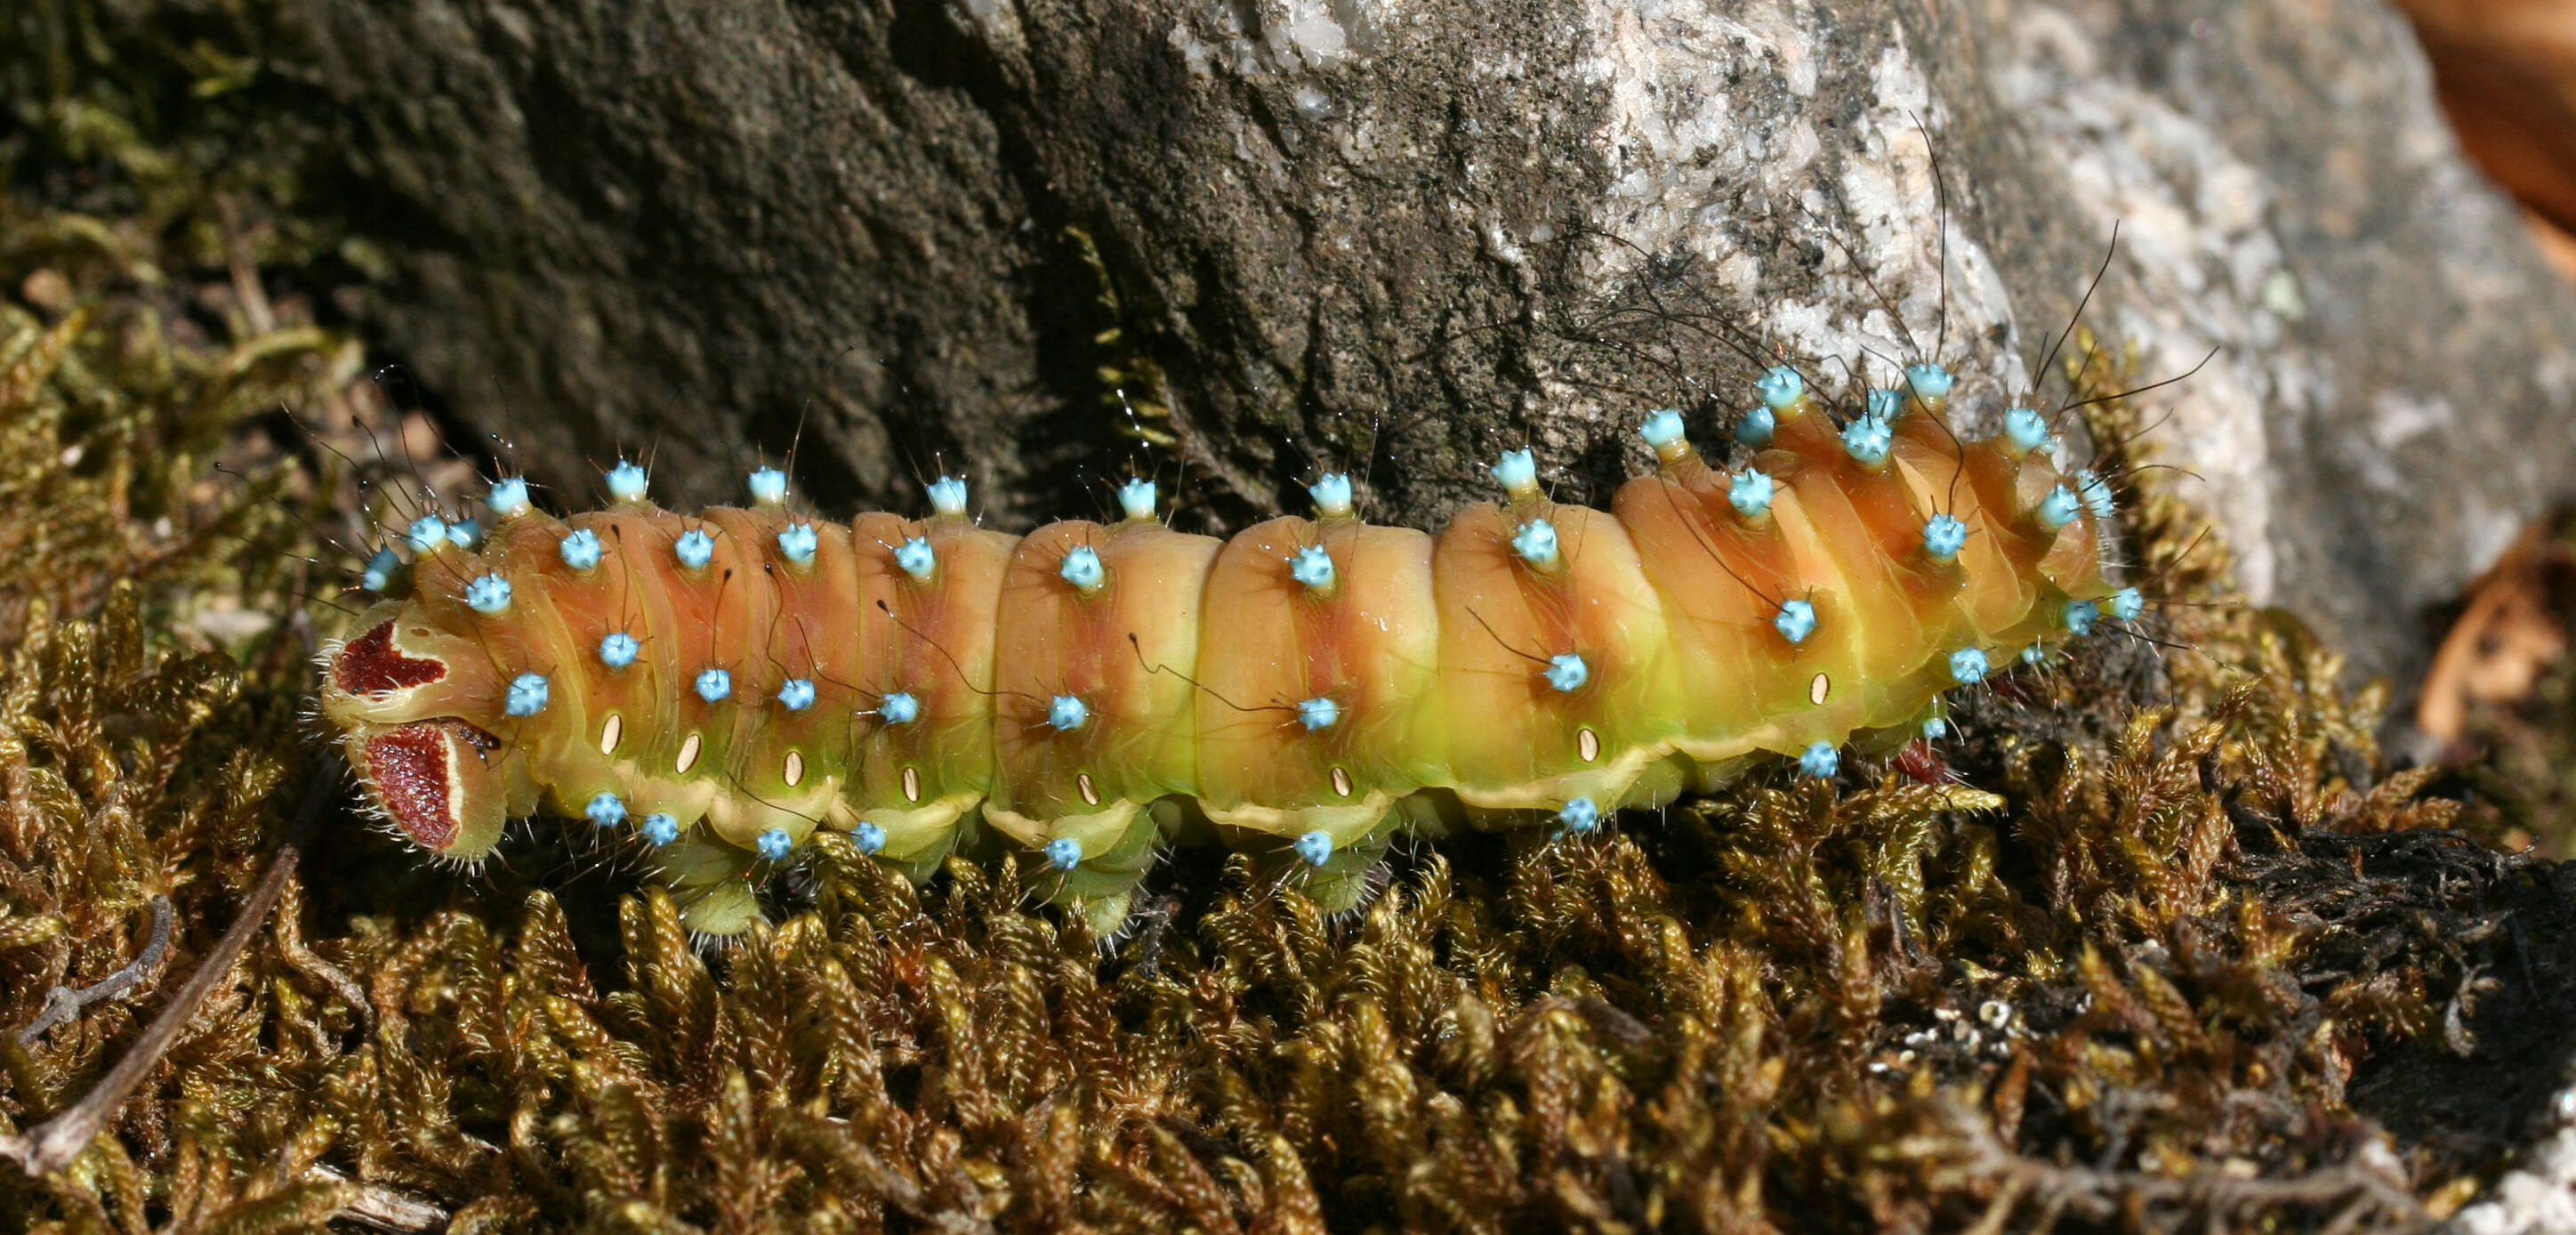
<point x="1397" y="238"/>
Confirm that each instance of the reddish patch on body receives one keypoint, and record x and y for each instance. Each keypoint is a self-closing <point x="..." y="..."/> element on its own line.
<point x="1922" y="764"/>
<point x="409" y="767"/>
<point x="370" y="664"/>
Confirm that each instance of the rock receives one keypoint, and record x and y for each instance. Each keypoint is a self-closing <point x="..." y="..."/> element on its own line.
<point x="2537" y="1197"/>
<point x="1396" y="239"/>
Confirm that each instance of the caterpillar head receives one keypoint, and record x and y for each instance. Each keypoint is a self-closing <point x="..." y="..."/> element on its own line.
<point x="431" y="773"/>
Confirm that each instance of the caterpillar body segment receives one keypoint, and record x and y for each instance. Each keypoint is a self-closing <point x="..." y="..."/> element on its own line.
<point x="1095" y="716"/>
<point x="1326" y="709"/>
<point x="719" y="686"/>
<point x="1554" y="675"/>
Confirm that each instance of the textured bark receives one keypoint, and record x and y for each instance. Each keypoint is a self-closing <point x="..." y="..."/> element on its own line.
<point x="1399" y="238"/>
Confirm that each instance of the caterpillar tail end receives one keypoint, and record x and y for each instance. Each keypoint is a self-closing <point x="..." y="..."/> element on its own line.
<point x="434" y="780"/>
<point x="435" y="777"/>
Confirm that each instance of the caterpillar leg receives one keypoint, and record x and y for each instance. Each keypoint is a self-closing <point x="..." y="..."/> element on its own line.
<point x="1715" y="776"/>
<point x="1103" y="885"/>
<point x="1660" y="782"/>
<point x="921" y="862"/>
<point x="706" y="880"/>
<point x="1344" y="878"/>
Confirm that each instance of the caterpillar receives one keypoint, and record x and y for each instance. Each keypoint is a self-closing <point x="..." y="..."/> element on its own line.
<point x="719" y="686"/>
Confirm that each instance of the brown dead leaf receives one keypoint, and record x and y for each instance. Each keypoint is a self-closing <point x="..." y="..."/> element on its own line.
<point x="2506" y="73"/>
<point x="2509" y="635"/>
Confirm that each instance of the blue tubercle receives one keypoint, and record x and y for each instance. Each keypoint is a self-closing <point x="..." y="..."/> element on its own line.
<point x="1064" y="853"/>
<point x="1781" y="387"/>
<point x="1750" y="493"/>
<point x="1081" y="568"/>
<point x="775" y="844"/>
<point x="1535" y="543"/>
<point x="1580" y="816"/>
<point x="796" y="694"/>
<point x="1332" y="494"/>
<point x="626" y="482"/>
<point x="2081" y="615"/>
<point x="868" y="837"/>
<point x="2034" y="654"/>
<point x="1517" y="473"/>
<point x="1883" y="405"/>
<point x="2127" y="604"/>
<point x="915" y="558"/>
<point x="380" y="570"/>
<point x="1820" y="760"/>
<point x="661" y="829"/>
<point x="1663" y="427"/>
<point x="694" y="548"/>
<point x="1136" y="499"/>
<point x="1756" y="428"/>
<point x="617" y="649"/>
<point x="1314" y="847"/>
<point x="1935" y="728"/>
<point x="1868" y="439"/>
<point x="1968" y="666"/>
<point x="714" y="684"/>
<point x="1567" y="672"/>
<point x="1943" y="537"/>
<point x="2095" y="493"/>
<point x="527" y="695"/>
<point x="464" y="533"/>
<point x="605" y="809"/>
<point x="508" y="498"/>
<point x="488" y="595"/>
<point x="899" y="708"/>
<point x="2056" y="510"/>
<point x="947" y="496"/>
<point x="427" y="533"/>
<point x="1795" y="621"/>
<point x="579" y="549"/>
<point x="1929" y="381"/>
<point x="2026" y="430"/>
<point x="1319" y="712"/>
<point x="1313" y="567"/>
<point x="1068" y="713"/>
<point x="768" y="486"/>
<point x="797" y="542"/>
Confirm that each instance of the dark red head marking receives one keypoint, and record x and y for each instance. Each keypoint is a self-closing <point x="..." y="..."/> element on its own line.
<point x="371" y="664"/>
<point x="411" y="766"/>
